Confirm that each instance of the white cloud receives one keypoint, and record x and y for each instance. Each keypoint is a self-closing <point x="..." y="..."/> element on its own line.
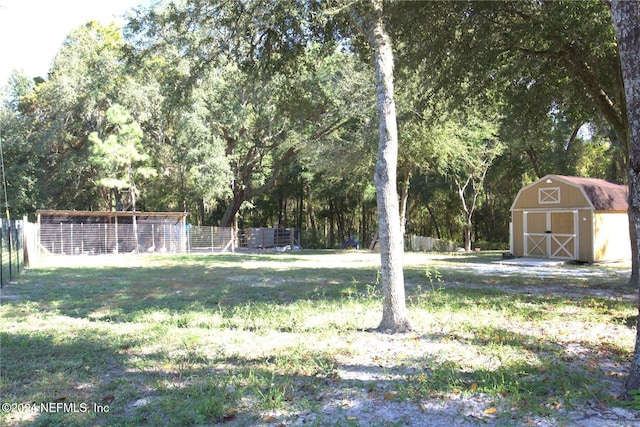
<point x="32" y="31"/>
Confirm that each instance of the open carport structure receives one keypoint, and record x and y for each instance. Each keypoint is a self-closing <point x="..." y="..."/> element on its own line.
<point x="572" y="218"/>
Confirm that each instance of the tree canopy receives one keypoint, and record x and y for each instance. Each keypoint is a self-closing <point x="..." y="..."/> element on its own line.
<point x="269" y="116"/>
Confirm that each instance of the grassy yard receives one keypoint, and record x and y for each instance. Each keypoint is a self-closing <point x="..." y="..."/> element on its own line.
<point x="281" y="339"/>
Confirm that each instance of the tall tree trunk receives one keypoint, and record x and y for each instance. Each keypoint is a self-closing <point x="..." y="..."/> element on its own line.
<point x="117" y="195"/>
<point x="332" y="229"/>
<point x="434" y="221"/>
<point x="467" y="233"/>
<point x="363" y="222"/>
<point x="531" y="152"/>
<point x="312" y="223"/>
<point x="231" y="212"/>
<point x="394" y="311"/>
<point x="201" y="209"/>
<point x="132" y="191"/>
<point x="404" y="198"/>
<point x="626" y="19"/>
<point x="467" y="213"/>
<point x="282" y="210"/>
<point x="300" y="219"/>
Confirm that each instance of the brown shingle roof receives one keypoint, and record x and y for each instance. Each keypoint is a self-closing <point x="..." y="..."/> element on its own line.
<point x="604" y="195"/>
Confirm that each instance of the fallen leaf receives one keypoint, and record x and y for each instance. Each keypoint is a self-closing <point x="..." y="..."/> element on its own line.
<point x="391" y="395"/>
<point x="230" y="416"/>
<point x="474" y="387"/>
<point x="269" y="419"/>
<point x="345" y="402"/>
<point x="350" y="418"/>
<point x="490" y="411"/>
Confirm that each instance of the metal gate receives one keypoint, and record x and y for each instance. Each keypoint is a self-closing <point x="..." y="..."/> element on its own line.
<point x="551" y="234"/>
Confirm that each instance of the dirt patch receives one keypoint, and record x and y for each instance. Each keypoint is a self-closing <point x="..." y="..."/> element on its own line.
<point x="363" y="392"/>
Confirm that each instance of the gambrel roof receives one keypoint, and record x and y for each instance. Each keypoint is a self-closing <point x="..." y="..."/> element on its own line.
<point x="604" y="195"/>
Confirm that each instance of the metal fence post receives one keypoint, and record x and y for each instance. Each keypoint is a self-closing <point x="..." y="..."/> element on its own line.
<point x="1" y="253"/>
<point x="10" y="249"/>
<point x="17" y="248"/>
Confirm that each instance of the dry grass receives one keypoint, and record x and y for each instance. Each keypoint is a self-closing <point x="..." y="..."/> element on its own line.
<point x="283" y="339"/>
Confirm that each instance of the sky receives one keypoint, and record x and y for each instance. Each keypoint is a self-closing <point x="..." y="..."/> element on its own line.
<point x="32" y="31"/>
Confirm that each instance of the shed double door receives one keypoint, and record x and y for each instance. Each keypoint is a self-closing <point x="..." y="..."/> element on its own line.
<point x="551" y="234"/>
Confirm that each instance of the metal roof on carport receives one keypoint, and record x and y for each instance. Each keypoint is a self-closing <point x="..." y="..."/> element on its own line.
<point x="75" y="217"/>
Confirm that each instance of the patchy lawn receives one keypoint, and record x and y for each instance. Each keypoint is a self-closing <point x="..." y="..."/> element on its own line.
<point x="285" y="339"/>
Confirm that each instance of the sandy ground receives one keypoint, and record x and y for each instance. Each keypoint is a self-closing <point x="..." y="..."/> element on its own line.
<point x="349" y="404"/>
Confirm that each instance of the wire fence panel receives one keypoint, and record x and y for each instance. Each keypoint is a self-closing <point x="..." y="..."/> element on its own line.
<point x="210" y="239"/>
<point x="101" y="238"/>
<point x="11" y="250"/>
<point x="168" y="237"/>
<point x="97" y="239"/>
<point x="427" y="244"/>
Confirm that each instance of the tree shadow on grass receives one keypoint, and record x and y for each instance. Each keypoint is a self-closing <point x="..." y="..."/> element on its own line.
<point x="546" y="377"/>
<point x="62" y="376"/>
<point x="112" y="295"/>
<point x="186" y="388"/>
<point x="92" y="380"/>
<point x="193" y="386"/>
<point x="120" y="294"/>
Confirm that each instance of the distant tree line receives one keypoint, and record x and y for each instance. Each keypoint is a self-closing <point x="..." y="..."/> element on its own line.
<point x="252" y="116"/>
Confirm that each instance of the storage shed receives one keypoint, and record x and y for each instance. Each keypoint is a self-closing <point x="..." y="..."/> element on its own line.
<point x="573" y="218"/>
